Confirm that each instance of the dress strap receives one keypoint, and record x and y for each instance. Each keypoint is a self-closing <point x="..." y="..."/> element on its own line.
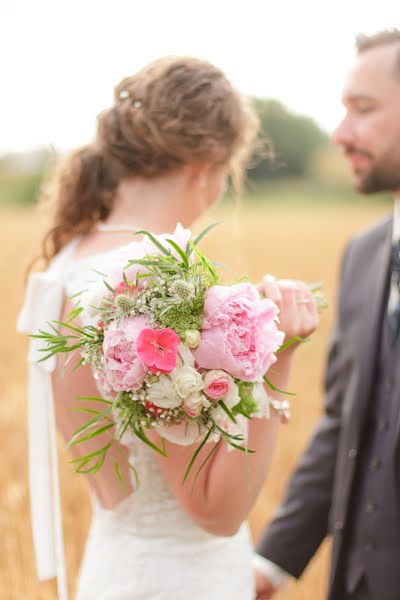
<point x="43" y="303"/>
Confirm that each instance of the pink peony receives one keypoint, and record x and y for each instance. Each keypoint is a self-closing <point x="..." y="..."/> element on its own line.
<point x="158" y="349"/>
<point x="123" y="368"/>
<point x="239" y="332"/>
<point x="217" y="384"/>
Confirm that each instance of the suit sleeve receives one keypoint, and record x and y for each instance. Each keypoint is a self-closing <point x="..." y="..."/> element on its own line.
<point x="301" y="521"/>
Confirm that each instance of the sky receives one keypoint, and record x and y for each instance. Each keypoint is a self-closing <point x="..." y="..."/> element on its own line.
<point x="60" y="59"/>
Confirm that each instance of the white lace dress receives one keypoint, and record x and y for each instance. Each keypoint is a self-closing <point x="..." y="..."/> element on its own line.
<point x="147" y="548"/>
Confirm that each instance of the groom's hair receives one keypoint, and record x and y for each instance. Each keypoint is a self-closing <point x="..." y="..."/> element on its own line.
<point x="385" y="37"/>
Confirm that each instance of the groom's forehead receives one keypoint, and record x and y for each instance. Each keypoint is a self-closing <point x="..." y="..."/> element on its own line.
<point x="374" y="72"/>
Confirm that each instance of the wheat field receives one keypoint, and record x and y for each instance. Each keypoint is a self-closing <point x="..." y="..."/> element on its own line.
<point x="295" y="240"/>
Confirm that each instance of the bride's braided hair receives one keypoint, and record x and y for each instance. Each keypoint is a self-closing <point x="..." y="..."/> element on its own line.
<point x="174" y="112"/>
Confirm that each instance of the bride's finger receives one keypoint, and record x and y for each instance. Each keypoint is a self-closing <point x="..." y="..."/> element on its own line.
<point x="269" y="288"/>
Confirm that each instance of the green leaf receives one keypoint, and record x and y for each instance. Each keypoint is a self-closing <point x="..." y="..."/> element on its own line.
<point x="205" y="262"/>
<point x="273" y="387"/>
<point x="204" y="232"/>
<point x="142" y="436"/>
<point x="228" y="412"/>
<point x="78" y="364"/>
<point x="95" y="399"/>
<point x="292" y="340"/>
<point x="135" y="473"/>
<point x="88" y="457"/>
<point x="202" y="465"/>
<point x="155" y="241"/>
<point x="196" y="453"/>
<point x="89" y="423"/>
<point x="92" y="434"/>
<point x="181" y="253"/>
<point x="110" y="289"/>
<point x="118" y="473"/>
<point x="85" y="409"/>
<point x="242" y="448"/>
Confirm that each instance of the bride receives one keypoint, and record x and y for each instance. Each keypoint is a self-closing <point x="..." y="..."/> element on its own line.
<point x="162" y="155"/>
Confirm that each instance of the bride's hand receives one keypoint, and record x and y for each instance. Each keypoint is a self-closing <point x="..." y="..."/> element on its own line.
<point x="298" y="316"/>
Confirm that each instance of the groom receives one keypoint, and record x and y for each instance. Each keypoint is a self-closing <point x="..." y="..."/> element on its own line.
<point x="348" y="481"/>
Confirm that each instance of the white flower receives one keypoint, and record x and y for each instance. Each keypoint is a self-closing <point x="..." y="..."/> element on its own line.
<point x="92" y="299"/>
<point x="185" y="433"/>
<point x="233" y="397"/>
<point x="186" y="381"/>
<point x="261" y="397"/>
<point x="180" y="236"/>
<point x="193" y="404"/>
<point x="186" y="355"/>
<point x="162" y="393"/>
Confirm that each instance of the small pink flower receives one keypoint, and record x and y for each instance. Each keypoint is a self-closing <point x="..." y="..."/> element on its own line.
<point x="155" y="410"/>
<point x="217" y="384"/>
<point x="122" y="288"/>
<point x="158" y="349"/>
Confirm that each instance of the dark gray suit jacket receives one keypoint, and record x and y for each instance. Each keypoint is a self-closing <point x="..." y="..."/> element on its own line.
<point x="317" y="499"/>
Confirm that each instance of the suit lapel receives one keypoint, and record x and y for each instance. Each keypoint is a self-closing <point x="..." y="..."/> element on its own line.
<point x="369" y="340"/>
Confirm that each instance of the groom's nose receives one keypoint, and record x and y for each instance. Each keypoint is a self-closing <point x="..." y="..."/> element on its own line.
<point x="343" y="135"/>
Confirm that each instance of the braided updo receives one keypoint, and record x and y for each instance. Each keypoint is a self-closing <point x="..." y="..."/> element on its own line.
<point x="174" y="112"/>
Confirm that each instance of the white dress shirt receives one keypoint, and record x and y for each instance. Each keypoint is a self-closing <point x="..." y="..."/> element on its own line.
<point x="276" y="575"/>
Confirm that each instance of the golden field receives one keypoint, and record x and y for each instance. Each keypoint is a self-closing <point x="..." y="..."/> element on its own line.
<point x="297" y="240"/>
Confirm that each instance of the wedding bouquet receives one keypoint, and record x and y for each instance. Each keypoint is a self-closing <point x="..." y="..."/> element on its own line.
<point x="173" y="350"/>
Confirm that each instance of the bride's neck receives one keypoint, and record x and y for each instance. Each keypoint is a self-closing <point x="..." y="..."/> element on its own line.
<point x="156" y="204"/>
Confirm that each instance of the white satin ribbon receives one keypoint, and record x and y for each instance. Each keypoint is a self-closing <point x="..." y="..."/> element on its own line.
<point x="43" y="303"/>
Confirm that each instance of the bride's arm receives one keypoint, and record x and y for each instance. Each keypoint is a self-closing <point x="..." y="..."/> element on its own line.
<point x="230" y="482"/>
<point x="68" y="386"/>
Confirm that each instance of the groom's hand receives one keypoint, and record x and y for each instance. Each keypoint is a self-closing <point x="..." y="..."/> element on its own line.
<point x="264" y="588"/>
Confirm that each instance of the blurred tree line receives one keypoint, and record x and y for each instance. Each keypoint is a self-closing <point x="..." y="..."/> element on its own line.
<point x="295" y="148"/>
<point x="290" y="142"/>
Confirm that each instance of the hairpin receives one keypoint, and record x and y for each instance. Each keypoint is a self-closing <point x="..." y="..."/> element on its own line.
<point x="124" y="94"/>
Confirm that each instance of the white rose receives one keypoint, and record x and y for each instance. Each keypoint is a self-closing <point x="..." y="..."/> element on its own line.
<point x="163" y="394"/>
<point x="193" y="404"/>
<point x="186" y="381"/>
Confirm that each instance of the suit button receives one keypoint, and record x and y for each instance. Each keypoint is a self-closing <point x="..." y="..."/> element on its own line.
<point x="369" y="546"/>
<point x="371" y="507"/>
<point x="338" y="525"/>
<point x="376" y="464"/>
<point x="352" y="453"/>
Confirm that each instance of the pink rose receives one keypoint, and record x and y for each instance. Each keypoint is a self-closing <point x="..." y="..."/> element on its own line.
<point x="217" y="384"/>
<point x="239" y="332"/>
<point x="123" y="368"/>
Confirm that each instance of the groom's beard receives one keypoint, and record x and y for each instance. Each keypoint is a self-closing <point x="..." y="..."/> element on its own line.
<point x="383" y="176"/>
